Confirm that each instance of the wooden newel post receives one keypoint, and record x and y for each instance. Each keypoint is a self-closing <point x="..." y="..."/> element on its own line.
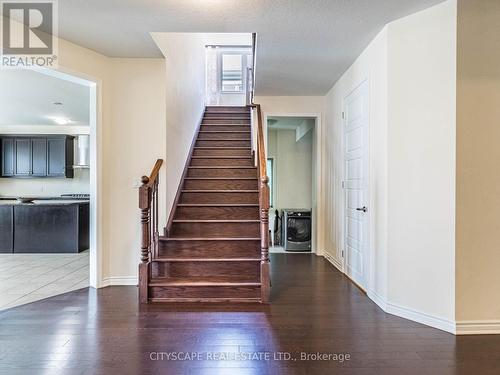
<point x="145" y="207"/>
<point x="264" y="227"/>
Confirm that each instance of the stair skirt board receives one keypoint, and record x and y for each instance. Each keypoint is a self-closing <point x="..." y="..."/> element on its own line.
<point x="212" y="248"/>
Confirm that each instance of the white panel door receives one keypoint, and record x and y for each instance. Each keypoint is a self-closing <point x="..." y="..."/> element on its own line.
<point x="356" y="184"/>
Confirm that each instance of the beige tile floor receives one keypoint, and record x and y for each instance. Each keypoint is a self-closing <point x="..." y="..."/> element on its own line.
<point x="26" y="278"/>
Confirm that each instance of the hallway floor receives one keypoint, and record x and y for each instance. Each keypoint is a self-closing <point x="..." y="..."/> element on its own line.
<point x="314" y="309"/>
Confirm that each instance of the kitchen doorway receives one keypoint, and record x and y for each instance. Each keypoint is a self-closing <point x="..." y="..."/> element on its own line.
<point x="48" y="185"/>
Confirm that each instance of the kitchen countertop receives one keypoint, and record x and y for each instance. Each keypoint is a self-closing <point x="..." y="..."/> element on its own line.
<point x="44" y="202"/>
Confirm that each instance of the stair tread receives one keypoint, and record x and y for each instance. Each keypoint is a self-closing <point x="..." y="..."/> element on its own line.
<point x="216" y="221"/>
<point x="238" y="280"/>
<point x="221" y="157"/>
<point x="221" y="178"/>
<point x="163" y="238"/>
<point x="218" y="204"/>
<point x="204" y="300"/>
<point x="223" y="147"/>
<point x="247" y="139"/>
<point x="185" y="259"/>
<point x="218" y="191"/>
<point x="224" y="131"/>
<point x="220" y="167"/>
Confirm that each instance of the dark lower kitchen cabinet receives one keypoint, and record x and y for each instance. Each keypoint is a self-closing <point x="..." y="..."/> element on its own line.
<point x="37" y="156"/>
<point x="44" y="228"/>
<point x="6" y="229"/>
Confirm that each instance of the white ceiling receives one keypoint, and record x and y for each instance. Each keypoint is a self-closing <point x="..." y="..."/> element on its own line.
<point x="304" y="46"/>
<point x="27" y="97"/>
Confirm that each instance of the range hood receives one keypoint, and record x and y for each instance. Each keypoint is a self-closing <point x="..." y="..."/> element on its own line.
<point x="82" y="153"/>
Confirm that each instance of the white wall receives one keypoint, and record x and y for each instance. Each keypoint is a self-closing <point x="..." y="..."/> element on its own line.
<point x="421" y="155"/>
<point x="185" y="97"/>
<point x="292" y="168"/>
<point x="46" y="186"/>
<point x="410" y="67"/>
<point x="136" y="137"/>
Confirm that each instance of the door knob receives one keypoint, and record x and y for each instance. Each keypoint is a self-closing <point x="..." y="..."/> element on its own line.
<point x="364" y="209"/>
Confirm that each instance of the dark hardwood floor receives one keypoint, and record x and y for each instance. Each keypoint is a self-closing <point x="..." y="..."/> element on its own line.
<point x="314" y="309"/>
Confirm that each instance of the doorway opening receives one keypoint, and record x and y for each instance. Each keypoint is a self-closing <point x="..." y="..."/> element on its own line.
<point x="48" y="185"/>
<point x="291" y="168"/>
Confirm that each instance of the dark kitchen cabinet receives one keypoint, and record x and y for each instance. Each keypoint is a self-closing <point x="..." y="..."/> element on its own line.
<point x="56" y="149"/>
<point x="22" y="157"/>
<point x="7" y="157"/>
<point x="37" y="156"/>
<point x="6" y="229"/>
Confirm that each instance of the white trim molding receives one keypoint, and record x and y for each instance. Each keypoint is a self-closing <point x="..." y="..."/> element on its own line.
<point x="119" y="280"/>
<point x="332" y="260"/>
<point x="421" y="317"/>
<point x="478" y="327"/>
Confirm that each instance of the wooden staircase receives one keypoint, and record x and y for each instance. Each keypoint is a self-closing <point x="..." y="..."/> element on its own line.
<point x="212" y="249"/>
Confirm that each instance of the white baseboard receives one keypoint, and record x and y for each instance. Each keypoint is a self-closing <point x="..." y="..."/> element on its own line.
<point x="332" y="260"/>
<point x="119" y="280"/>
<point x="421" y="317"/>
<point x="478" y="327"/>
<point x="378" y="299"/>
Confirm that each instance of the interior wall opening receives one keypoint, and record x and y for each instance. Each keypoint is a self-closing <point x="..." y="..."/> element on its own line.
<point x="46" y="189"/>
<point x="292" y="174"/>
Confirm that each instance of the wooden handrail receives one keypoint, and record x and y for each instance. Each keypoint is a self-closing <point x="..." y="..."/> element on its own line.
<point x="264" y="203"/>
<point x="154" y="174"/>
<point x="148" y="204"/>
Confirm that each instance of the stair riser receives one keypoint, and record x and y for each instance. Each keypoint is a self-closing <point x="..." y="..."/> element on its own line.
<point x="190" y="269"/>
<point x="217" y="213"/>
<point x="211" y="230"/>
<point x="226" y="108"/>
<point x="224" y="121"/>
<point x="222" y="143"/>
<point x="220" y="184"/>
<point x="219" y="197"/>
<point x="203" y="292"/>
<point x="221" y="172"/>
<point x="226" y="128"/>
<point x="226" y="114"/>
<point x="209" y="249"/>
<point x="222" y="152"/>
<point x="225" y="136"/>
<point x="223" y="162"/>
